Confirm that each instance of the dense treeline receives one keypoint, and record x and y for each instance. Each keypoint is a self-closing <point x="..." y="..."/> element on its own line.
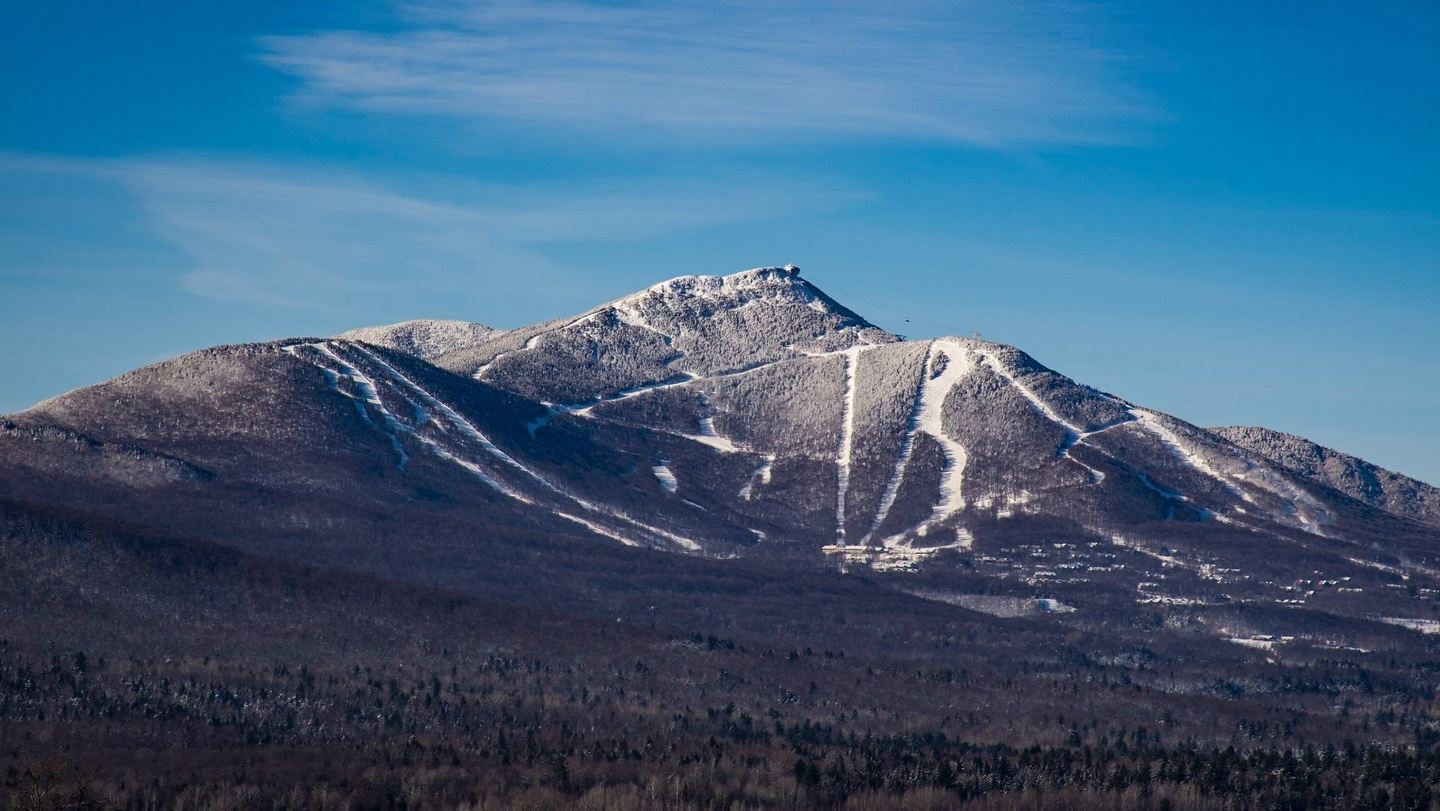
<point x="81" y="731"/>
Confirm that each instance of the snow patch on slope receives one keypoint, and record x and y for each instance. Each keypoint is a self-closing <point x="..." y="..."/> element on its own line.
<point x="760" y="476"/>
<point x="1424" y="626"/>
<point x="665" y="476"/>
<point x="707" y="436"/>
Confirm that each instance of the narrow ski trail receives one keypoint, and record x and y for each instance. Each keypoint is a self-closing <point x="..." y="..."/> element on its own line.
<point x="946" y="364"/>
<point x="847" y="442"/>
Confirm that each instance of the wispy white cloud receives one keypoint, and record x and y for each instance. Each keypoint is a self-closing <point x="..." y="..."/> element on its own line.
<point x="286" y="236"/>
<point x="995" y="74"/>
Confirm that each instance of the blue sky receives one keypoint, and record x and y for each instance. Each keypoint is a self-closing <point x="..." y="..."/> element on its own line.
<point x="1227" y="211"/>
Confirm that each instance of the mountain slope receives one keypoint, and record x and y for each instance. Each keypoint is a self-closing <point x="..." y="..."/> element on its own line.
<point x="313" y="420"/>
<point x="1357" y="478"/>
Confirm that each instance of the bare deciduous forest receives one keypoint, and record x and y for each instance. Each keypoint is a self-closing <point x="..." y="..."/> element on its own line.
<point x="85" y="731"/>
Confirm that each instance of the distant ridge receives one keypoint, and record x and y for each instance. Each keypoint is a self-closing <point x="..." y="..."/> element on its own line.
<point x="1355" y="477"/>
<point x="423" y="338"/>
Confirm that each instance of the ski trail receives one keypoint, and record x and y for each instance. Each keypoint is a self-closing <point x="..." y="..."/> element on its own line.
<point x="719" y="443"/>
<point x="1286" y="490"/>
<point x="1097" y="474"/>
<point x="1293" y="496"/>
<point x="1150" y="421"/>
<point x="531" y="342"/>
<point x="946" y="364"/>
<point x="625" y="394"/>
<point x="369" y="395"/>
<point x="1170" y="496"/>
<point x="760" y="476"/>
<point x="553" y="410"/>
<point x="847" y="442"/>
<point x="627" y="314"/>
<point x="957" y="364"/>
<point x="332" y="378"/>
<point x="680" y="380"/>
<point x="429" y="442"/>
<point x="1073" y="435"/>
<point x="422" y="417"/>
<point x="466" y="428"/>
<point x="596" y="528"/>
<point x="706" y="435"/>
<point x="1311" y="517"/>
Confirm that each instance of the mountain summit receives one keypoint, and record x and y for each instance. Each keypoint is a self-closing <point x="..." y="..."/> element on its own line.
<point x="687" y="326"/>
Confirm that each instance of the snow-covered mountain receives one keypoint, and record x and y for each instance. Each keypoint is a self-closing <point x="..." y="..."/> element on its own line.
<point x="423" y="338"/>
<point x="745" y="416"/>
